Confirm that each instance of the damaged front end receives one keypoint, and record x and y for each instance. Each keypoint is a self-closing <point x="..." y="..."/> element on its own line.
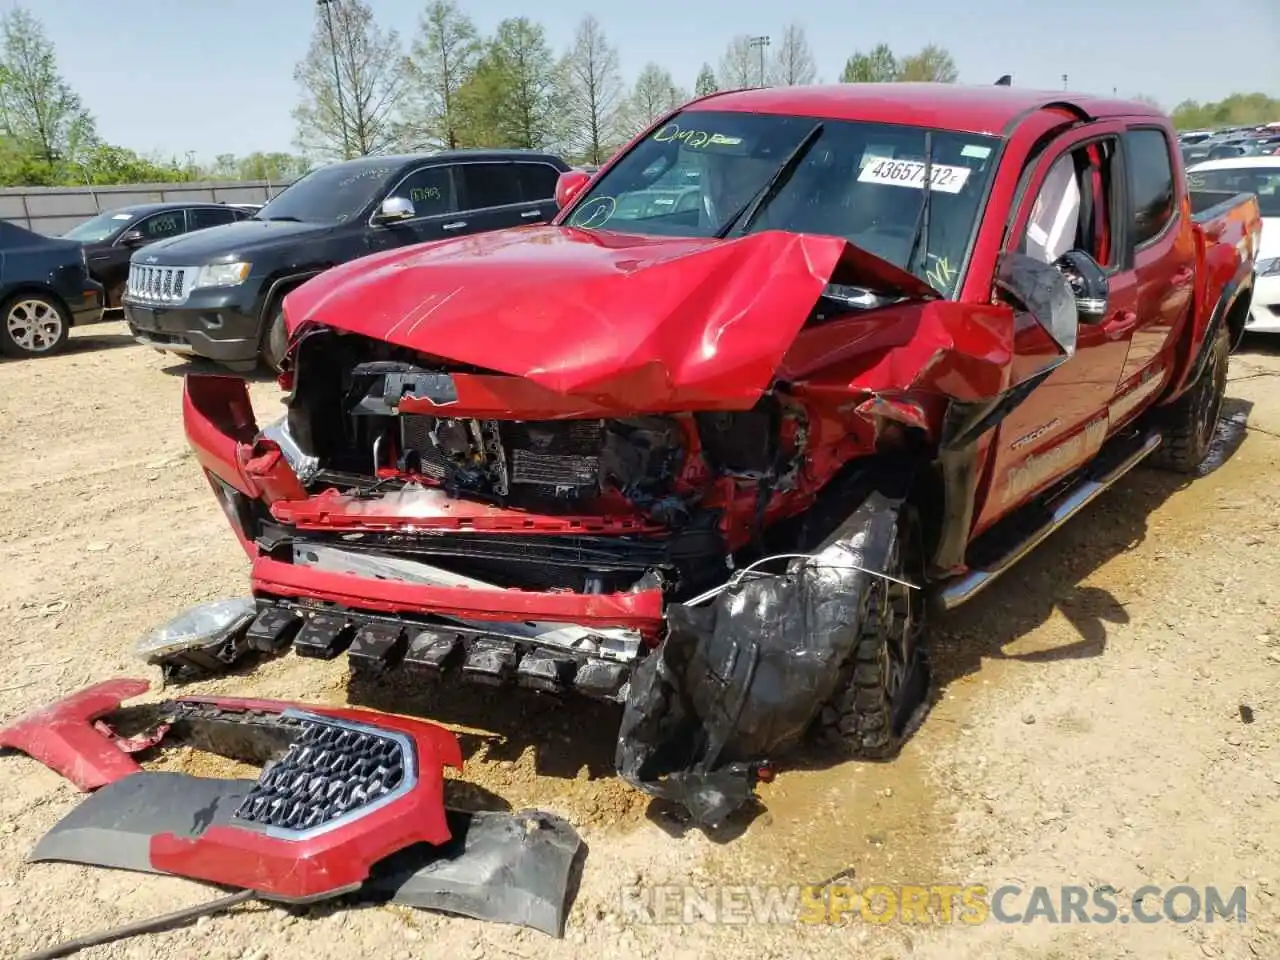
<point x="553" y="503"/>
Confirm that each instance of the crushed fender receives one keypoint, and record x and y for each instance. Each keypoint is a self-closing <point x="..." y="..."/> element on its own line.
<point x="68" y="736"/>
<point x="737" y="683"/>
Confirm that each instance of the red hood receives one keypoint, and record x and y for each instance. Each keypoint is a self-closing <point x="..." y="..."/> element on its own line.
<point x="663" y="323"/>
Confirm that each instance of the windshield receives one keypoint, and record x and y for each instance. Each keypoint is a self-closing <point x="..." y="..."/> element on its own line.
<point x="1264" y="181"/>
<point x="695" y="176"/>
<point x="332" y="194"/>
<point x="100" y="227"/>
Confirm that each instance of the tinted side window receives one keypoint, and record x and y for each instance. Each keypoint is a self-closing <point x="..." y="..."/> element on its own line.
<point x="491" y="184"/>
<point x="537" y="181"/>
<point x="1150" y="182"/>
<point x="163" y="225"/>
<point x="206" y="217"/>
<point x="430" y="190"/>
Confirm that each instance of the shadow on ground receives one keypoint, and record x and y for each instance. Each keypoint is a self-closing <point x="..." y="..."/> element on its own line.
<point x="181" y="367"/>
<point x="500" y="724"/>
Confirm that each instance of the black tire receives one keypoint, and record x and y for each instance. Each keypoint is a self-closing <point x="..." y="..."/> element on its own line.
<point x="1189" y="423"/>
<point x="887" y="677"/>
<point x="275" y="340"/>
<point x="115" y="296"/>
<point x="33" y="325"/>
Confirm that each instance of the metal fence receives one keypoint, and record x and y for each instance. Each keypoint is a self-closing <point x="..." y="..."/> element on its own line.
<point x="54" y="210"/>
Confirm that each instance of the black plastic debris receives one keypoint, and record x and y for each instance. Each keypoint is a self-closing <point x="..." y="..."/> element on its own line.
<point x="739" y="681"/>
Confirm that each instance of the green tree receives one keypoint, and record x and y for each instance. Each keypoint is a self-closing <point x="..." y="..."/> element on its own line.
<point x="516" y="97"/>
<point x="442" y="58"/>
<point x="1236" y="110"/>
<point x="360" y="121"/>
<point x="104" y="165"/>
<point x="932" y="64"/>
<point x="595" y="92"/>
<point x="38" y="109"/>
<point x="878" y="66"/>
<point x="706" y="82"/>
<point x="276" y="167"/>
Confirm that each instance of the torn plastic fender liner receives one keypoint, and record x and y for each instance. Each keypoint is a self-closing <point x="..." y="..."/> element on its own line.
<point x="740" y="681"/>
<point x="508" y="868"/>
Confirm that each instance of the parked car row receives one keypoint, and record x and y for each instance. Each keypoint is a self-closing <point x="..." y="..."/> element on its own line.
<point x="1201" y="145"/>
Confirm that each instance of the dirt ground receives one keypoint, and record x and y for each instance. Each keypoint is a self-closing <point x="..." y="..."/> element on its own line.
<point x="1108" y="715"/>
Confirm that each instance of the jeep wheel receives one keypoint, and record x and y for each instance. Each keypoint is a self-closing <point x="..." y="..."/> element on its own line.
<point x="887" y="677"/>
<point x="33" y="324"/>
<point x="1191" y="420"/>
<point x="274" y="339"/>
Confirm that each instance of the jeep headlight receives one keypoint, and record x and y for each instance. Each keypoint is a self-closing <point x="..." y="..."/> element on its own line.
<point x="1269" y="267"/>
<point x="222" y="275"/>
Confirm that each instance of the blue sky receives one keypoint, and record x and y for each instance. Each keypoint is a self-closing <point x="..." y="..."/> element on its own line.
<point x="215" y="76"/>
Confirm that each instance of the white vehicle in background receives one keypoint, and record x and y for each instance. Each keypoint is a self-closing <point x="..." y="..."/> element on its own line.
<point x="1259" y="175"/>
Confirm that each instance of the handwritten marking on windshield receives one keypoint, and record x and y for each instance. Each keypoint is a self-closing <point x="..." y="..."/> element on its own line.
<point x="695" y="139"/>
<point x="910" y="173"/>
<point x="941" y="274"/>
<point x="367" y="174"/>
<point x="596" y="212"/>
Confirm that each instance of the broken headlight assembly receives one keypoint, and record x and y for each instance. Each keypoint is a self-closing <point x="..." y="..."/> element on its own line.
<point x="204" y="639"/>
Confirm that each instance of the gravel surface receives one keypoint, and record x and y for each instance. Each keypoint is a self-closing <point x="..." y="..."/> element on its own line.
<point x="1107" y="715"/>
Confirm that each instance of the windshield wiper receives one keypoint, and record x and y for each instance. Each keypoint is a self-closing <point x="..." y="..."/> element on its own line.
<point x="920" y="238"/>
<point x="771" y="187"/>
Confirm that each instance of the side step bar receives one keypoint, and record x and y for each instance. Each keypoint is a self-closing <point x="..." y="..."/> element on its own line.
<point x="965" y="587"/>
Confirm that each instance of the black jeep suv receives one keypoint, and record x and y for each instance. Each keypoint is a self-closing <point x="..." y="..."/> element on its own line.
<point x="216" y="293"/>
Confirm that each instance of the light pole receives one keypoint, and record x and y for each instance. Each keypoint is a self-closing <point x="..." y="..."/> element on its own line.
<point x="337" y="78"/>
<point x="1064" y="81"/>
<point x="760" y="43"/>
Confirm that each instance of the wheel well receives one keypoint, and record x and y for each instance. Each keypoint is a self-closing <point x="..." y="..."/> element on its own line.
<point x="1238" y="315"/>
<point x="26" y="288"/>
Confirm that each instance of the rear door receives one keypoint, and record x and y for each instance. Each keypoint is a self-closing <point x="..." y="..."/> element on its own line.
<point x="1163" y="251"/>
<point x="1072" y="197"/>
<point x="198" y="218"/>
<point x="508" y="193"/>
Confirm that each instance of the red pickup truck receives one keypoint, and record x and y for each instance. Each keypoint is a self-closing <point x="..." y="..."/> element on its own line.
<point x="792" y="364"/>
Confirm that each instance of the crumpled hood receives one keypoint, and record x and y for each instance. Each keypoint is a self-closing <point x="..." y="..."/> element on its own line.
<point x="669" y="323"/>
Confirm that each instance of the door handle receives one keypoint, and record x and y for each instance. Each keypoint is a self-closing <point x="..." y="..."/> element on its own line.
<point x="456" y="225"/>
<point x="1121" y="322"/>
<point x="531" y="213"/>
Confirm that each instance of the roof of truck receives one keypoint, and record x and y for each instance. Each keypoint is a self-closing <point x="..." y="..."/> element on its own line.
<point x="942" y="106"/>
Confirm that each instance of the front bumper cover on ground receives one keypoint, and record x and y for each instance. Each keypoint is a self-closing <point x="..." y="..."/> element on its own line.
<point x="349" y="801"/>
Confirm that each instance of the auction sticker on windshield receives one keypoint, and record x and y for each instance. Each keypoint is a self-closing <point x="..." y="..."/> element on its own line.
<point x="910" y="173"/>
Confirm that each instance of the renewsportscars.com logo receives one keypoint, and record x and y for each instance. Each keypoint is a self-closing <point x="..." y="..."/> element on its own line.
<point x="970" y="904"/>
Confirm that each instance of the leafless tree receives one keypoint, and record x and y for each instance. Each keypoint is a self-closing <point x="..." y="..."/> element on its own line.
<point x="443" y="56"/>
<point x="793" y="63"/>
<point x="654" y="95"/>
<point x="371" y="70"/>
<point x="595" y="92"/>
<point x="738" y="64"/>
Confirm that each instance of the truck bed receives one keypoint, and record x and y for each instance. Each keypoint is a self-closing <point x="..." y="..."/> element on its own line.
<point x="1208" y="205"/>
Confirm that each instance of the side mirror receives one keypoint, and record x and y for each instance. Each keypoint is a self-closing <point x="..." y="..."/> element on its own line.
<point x="1088" y="282"/>
<point x="570" y="186"/>
<point x="132" y="238"/>
<point x="395" y="208"/>
<point x="1041" y="290"/>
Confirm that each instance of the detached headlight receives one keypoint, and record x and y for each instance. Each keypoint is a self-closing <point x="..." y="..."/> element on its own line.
<point x="1269" y="267"/>
<point x="205" y="627"/>
<point x="222" y="274"/>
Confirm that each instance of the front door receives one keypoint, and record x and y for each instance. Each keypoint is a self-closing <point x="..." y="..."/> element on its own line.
<point x="1072" y="201"/>
<point x="433" y="192"/>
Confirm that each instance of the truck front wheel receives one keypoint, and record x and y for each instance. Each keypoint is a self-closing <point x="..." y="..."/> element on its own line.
<point x="886" y="678"/>
<point x="1190" y="421"/>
